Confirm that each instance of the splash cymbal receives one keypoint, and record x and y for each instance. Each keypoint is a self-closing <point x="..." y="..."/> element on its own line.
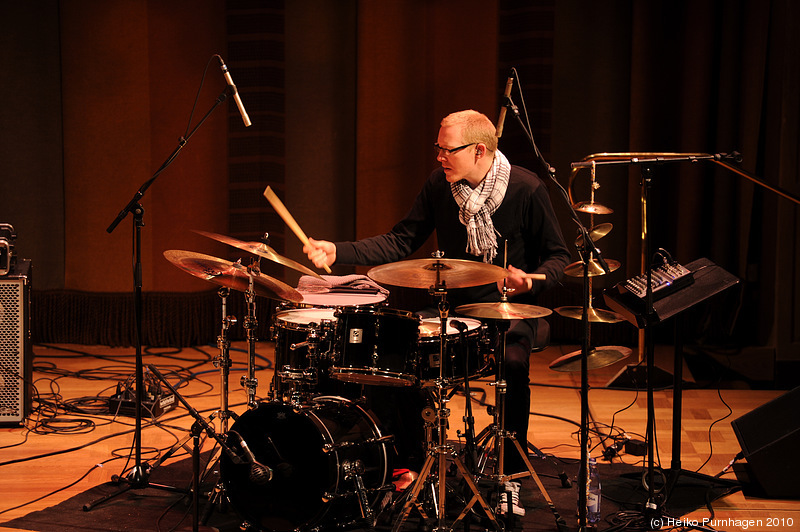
<point x="231" y="275"/>
<point x="503" y="310"/>
<point x="576" y="268"/>
<point x="425" y="273"/>
<point x="592" y="208"/>
<point x="598" y="357"/>
<point x="596" y="315"/>
<point x="260" y="249"/>
<point x="596" y="233"/>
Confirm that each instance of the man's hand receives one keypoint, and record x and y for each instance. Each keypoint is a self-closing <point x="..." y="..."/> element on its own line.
<point x="320" y="252"/>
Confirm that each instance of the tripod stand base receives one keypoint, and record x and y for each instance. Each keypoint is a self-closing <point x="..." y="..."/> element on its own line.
<point x="679" y="491"/>
<point x="634" y="377"/>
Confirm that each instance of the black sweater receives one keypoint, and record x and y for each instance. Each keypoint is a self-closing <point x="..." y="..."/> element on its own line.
<point x="525" y="219"/>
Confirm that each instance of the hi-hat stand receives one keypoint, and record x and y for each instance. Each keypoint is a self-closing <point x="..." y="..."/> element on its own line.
<point x="495" y="435"/>
<point x="439" y="453"/>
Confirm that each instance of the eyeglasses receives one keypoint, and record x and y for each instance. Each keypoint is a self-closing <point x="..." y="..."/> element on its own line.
<point x="450" y="151"/>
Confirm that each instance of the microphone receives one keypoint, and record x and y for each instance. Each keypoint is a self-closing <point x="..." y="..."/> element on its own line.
<point x="502" y="118"/>
<point x="259" y="473"/>
<point x="236" y="98"/>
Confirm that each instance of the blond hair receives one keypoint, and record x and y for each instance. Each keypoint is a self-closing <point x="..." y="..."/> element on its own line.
<point x="476" y="127"/>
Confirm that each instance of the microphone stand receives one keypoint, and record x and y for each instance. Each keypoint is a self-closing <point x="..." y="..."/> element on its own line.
<point x="138" y="477"/>
<point x="586" y="251"/>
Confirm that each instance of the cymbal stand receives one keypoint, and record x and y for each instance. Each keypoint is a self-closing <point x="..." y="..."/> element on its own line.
<point x="250" y="382"/>
<point x="442" y="450"/>
<point x="218" y="497"/>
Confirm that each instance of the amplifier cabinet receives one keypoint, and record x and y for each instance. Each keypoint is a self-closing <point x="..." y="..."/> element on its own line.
<point x="16" y="351"/>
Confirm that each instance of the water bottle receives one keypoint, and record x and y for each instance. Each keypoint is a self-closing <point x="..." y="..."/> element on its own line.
<point x="593" y="494"/>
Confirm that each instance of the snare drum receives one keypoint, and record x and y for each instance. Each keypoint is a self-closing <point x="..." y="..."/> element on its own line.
<point x="461" y="358"/>
<point x="375" y="346"/>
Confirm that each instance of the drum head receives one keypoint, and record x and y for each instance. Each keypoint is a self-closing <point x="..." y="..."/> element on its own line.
<point x="305" y="316"/>
<point x="430" y="327"/>
<point x="336" y="299"/>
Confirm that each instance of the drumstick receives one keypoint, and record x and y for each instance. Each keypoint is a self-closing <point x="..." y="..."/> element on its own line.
<point x="287" y="217"/>
<point x="537" y="276"/>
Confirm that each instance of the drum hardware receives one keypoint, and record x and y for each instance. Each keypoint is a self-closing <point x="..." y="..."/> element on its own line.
<point x="199" y="426"/>
<point x="218" y="498"/>
<point x="495" y="435"/>
<point x="438" y="274"/>
<point x="249" y="382"/>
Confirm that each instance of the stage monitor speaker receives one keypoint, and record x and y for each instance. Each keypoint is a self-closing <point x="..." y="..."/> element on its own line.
<point x="15" y="344"/>
<point x="769" y="436"/>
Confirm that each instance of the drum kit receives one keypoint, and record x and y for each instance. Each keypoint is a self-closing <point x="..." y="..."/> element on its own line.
<point x="310" y="455"/>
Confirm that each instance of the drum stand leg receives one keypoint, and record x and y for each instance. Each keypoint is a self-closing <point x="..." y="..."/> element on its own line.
<point x="440" y="452"/>
<point x="498" y="434"/>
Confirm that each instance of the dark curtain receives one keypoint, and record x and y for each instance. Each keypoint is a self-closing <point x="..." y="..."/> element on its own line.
<point x="722" y="76"/>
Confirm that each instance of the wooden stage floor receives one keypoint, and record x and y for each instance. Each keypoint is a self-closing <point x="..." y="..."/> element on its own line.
<point x="76" y="450"/>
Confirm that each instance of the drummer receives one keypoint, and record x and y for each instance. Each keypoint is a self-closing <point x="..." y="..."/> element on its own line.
<point x="478" y="203"/>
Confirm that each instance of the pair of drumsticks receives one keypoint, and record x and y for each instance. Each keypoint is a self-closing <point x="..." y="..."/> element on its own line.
<point x="284" y="213"/>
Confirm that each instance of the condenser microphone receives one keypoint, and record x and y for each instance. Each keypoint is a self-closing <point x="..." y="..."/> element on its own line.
<point x="236" y="98"/>
<point x="502" y="118"/>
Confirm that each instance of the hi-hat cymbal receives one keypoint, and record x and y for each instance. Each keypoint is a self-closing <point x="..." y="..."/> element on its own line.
<point x="592" y="208"/>
<point x="503" y="310"/>
<point x="598" y="357"/>
<point x="425" y="273"/>
<point x="595" y="233"/>
<point x="596" y="315"/>
<point x="231" y="275"/>
<point x="576" y="268"/>
<point x="260" y="249"/>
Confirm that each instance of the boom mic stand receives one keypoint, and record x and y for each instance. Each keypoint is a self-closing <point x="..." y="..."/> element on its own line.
<point x="138" y="478"/>
<point x="589" y="250"/>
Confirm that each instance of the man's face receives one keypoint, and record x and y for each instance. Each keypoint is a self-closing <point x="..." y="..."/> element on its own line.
<point x="460" y="164"/>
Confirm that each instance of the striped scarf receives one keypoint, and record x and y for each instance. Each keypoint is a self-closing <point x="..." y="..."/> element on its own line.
<point x="476" y="207"/>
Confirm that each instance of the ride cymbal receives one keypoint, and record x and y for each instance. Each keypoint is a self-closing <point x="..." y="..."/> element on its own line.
<point x="599" y="357"/>
<point x="231" y="275"/>
<point x="503" y="310"/>
<point x="425" y="273"/>
<point x="260" y="249"/>
<point x="596" y="315"/>
<point x="576" y="268"/>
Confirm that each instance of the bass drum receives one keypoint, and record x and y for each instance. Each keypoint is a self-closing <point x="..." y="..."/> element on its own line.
<point x="311" y="450"/>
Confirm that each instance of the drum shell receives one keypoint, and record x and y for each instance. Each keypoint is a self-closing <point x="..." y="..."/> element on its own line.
<point x="463" y="354"/>
<point x="375" y="346"/>
<point x="303" y="446"/>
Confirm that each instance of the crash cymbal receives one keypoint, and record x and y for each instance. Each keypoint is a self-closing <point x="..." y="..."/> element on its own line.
<point x="424" y="273"/>
<point x="592" y="207"/>
<point x="503" y="310"/>
<point x="599" y="357"/>
<point x="595" y="233"/>
<point x="576" y="268"/>
<point x="260" y="249"/>
<point x="231" y="274"/>
<point x="596" y="315"/>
